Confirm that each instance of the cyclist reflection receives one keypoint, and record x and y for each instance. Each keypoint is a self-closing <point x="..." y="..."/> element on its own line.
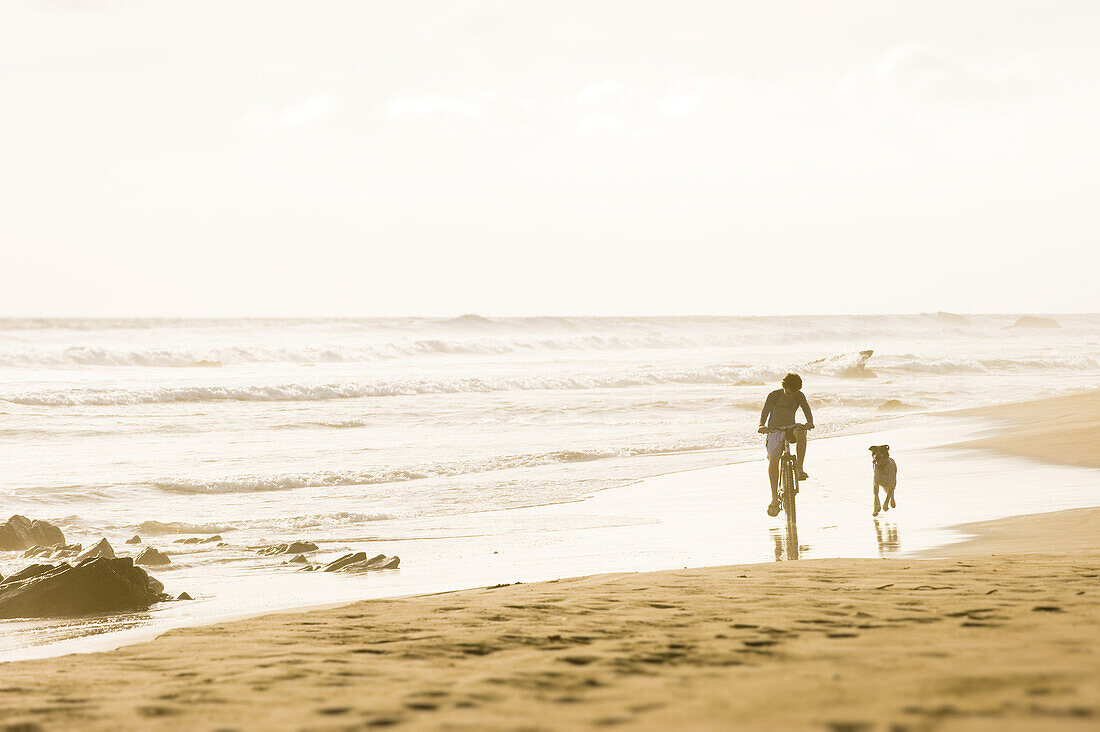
<point x="784" y="547"/>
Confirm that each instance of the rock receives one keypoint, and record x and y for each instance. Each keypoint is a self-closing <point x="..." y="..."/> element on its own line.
<point x="895" y="405"/>
<point x="1033" y="321"/>
<point x="379" y="561"/>
<point x="96" y="585"/>
<point x="101" y="548"/>
<point x="297" y="547"/>
<point x="184" y="596"/>
<point x="222" y="543"/>
<point x="32" y="570"/>
<point x="198" y="540"/>
<point x="152" y="558"/>
<point x="345" y="560"/>
<point x="135" y="539"/>
<point x="298" y="559"/>
<point x="19" y="532"/>
<point x="69" y="550"/>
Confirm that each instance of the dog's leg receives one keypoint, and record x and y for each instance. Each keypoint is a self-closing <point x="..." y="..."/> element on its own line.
<point x="878" y="506"/>
<point x="890" y="498"/>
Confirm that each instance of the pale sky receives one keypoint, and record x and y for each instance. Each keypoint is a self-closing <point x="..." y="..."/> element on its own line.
<point x="221" y="157"/>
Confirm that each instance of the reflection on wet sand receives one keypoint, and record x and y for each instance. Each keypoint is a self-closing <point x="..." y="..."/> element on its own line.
<point x="785" y="549"/>
<point x="85" y="625"/>
<point x="887" y="534"/>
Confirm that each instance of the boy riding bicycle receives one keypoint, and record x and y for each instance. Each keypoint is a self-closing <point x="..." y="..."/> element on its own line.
<point x="779" y="410"/>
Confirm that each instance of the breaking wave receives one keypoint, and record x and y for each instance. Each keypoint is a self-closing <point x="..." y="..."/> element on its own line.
<point x="909" y="363"/>
<point x="339" y="424"/>
<point x="323" y="479"/>
<point x="194" y="343"/>
<point x="843" y="366"/>
<point x="159" y="528"/>
<point x="725" y="375"/>
<point x="99" y="356"/>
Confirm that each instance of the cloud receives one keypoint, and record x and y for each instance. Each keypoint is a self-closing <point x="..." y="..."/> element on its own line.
<point x="679" y="104"/>
<point x="598" y="123"/>
<point x="685" y="97"/>
<point x="593" y="94"/>
<point x="302" y="113"/>
<point x="308" y="110"/>
<point x="431" y="106"/>
<point x="915" y="74"/>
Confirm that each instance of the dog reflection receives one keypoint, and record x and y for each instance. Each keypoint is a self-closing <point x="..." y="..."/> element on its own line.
<point x="887" y="534"/>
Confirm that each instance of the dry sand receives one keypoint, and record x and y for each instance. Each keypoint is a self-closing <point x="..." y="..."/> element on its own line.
<point x="1000" y="635"/>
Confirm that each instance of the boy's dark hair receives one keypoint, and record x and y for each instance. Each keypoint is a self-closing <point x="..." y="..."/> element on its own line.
<point x="794" y="381"/>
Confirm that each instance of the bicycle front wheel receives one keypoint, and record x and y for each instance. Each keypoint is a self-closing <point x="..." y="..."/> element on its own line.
<point x="787" y="482"/>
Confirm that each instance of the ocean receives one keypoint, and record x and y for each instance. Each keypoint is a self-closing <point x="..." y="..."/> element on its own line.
<point x="434" y="436"/>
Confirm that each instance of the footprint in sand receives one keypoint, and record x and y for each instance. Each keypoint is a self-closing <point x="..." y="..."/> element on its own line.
<point x="579" y="660"/>
<point x="334" y="711"/>
<point x="383" y="722"/>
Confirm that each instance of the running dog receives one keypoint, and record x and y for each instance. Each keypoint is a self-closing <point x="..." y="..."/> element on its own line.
<point x="886" y="476"/>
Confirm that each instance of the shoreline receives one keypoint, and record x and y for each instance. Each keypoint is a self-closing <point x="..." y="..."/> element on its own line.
<point x="998" y="639"/>
<point x="1062" y="430"/>
<point x="943" y="634"/>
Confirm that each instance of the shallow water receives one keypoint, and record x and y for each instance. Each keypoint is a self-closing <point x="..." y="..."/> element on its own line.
<point x="487" y="451"/>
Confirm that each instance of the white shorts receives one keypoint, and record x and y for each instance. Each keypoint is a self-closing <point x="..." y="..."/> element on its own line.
<point x="774" y="444"/>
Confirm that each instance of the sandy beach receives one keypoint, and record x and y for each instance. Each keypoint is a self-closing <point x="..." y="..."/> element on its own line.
<point x="1062" y="429"/>
<point x="403" y="365"/>
<point x="998" y="632"/>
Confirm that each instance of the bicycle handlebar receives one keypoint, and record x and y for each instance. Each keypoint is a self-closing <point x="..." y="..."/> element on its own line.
<point x="769" y="430"/>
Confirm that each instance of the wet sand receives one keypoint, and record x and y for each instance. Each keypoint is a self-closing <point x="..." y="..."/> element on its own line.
<point x="999" y="632"/>
<point x="1062" y="429"/>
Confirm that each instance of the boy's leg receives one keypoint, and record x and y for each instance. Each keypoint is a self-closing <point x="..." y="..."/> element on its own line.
<point x="800" y="449"/>
<point x="773" y="475"/>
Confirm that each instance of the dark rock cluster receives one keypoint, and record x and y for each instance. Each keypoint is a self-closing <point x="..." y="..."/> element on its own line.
<point x="20" y="532"/>
<point x="297" y="547"/>
<point x="199" y="540"/>
<point x="359" y="562"/>
<point x="95" y="585"/>
<point x="152" y="557"/>
<point x="65" y="551"/>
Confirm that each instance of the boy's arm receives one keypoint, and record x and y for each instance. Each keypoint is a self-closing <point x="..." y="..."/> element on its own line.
<point x="767" y="410"/>
<point x="807" y="412"/>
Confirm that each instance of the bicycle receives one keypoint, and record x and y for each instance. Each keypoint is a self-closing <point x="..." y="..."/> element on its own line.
<point x="788" y="486"/>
